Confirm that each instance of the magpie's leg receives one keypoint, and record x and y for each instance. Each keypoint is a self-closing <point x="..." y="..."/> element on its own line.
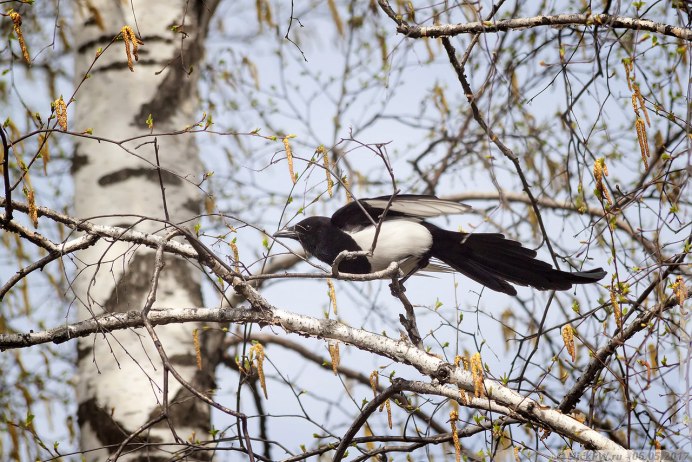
<point x="410" y="273"/>
<point x="399" y="288"/>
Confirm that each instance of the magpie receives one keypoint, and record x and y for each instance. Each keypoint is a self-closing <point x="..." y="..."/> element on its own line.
<point x="406" y="238"/>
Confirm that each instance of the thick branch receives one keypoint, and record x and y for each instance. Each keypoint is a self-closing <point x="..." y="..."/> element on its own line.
<point x="400" y="351"/>
<point x="559" y="20"/>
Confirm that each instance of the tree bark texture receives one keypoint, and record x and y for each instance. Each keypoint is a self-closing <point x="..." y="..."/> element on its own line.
<point x="120" y="383"/>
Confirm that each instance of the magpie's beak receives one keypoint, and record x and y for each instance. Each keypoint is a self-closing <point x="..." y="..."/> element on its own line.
<point x="289" y="233"/>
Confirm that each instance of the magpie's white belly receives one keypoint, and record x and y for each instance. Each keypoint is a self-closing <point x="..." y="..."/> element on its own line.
<point x="402" y="241"/>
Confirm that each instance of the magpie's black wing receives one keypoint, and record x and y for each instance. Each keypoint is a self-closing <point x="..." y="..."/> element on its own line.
<point x="362" y="213"/>
<point x="356" y="215"/>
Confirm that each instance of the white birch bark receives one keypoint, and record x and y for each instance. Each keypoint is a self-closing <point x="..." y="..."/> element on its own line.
<point x="120" y="379"/>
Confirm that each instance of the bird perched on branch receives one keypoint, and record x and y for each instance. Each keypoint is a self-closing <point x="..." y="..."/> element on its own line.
<point x="396" y="225"/>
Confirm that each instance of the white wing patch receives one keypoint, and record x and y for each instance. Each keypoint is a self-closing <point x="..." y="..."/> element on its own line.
<point x="402" y="241"/>
<point x="421" y="207"/>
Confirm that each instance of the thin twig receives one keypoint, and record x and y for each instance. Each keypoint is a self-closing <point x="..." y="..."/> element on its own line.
<point x="459" y="69"/>
<point x="319" y="360"/>
<point x="383" y="215"/>
<point x="151" y="298"/>
<point x="363" y="417"/>
<point x="601" y="357"/>
<point x="6" y="175"/>
<point x="163" y="188"/>
<point x="126" y="442"/>
<point x="288" y="31"/>
<point x="67" y="248"/>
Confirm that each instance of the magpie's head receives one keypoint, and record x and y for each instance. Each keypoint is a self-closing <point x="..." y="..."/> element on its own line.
<point x="309" y="232"/>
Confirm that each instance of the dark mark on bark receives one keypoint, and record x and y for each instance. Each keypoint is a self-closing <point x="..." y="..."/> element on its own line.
<point x="133" y="287"/>
<point x="149" y="174"/>
<point x="109" y="431"/>
<point x="78" y="161"/>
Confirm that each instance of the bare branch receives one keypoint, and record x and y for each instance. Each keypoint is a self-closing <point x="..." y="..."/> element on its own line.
<point x="559" y="20"/>
<point x="57" y="252"/>
<point x="363" y="417"/>
<point x="399" y="351"/>
<point x="6" y="175"/>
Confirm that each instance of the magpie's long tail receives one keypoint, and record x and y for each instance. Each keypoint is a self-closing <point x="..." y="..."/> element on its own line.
<point x="494" y="261"/>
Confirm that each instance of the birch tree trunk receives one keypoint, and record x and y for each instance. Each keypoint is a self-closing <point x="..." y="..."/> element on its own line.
<point x="120" y="384"/>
